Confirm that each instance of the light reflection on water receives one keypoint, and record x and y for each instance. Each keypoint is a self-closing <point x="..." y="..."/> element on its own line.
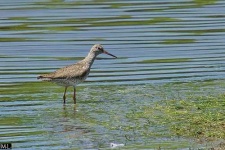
<point x="156" y="42"/>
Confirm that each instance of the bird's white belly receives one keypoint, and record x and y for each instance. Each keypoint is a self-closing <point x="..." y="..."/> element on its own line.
<point x="74" y="82"/>
<point x="64" y="82"/>
<point x="69" y="82"/>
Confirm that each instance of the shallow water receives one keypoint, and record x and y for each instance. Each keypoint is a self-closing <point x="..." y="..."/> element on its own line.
<point x="156" y="42"/>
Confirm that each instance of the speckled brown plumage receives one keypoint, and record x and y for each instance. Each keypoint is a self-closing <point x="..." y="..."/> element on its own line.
<point x="74" y="74"/>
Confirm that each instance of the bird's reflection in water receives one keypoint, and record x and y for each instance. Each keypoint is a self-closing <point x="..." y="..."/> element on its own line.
<point x="70" y="122"/>
<point x="66" y="111"/>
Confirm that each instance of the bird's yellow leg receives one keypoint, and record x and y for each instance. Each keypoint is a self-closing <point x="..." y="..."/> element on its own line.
<point x="74" y="95"/>
<point x="64" y="96"/>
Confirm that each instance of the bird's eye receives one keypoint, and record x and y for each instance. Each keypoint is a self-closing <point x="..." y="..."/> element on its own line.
<point x="99" y="48"/>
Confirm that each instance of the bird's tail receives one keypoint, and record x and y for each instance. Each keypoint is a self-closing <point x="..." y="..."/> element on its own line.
<point x="44" y="77"/>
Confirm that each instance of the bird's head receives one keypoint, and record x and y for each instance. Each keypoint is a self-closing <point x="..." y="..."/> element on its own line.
<point x="98" y="49"/>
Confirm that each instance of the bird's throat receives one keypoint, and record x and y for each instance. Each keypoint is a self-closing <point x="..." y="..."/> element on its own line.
<point x="90" y="58"/>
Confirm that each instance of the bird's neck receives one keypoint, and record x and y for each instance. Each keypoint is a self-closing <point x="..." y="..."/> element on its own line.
<point x="90" y="58"/>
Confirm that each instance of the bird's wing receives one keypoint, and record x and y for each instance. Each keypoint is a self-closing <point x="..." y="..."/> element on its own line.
<point x="72" y="71"/>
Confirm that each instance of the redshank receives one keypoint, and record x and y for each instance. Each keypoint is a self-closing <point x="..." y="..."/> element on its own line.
<point x="74" y="74"/>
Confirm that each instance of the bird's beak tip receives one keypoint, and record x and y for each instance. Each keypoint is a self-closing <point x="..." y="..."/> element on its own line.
<point x="110" y="54"/>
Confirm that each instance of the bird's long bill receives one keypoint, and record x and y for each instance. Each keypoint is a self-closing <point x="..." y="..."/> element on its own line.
<point x="109" y="54"/>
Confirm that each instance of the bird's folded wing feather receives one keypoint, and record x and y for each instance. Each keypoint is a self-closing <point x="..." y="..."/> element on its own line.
<point x="68" y="72"/>
<point x="72" y="71"/>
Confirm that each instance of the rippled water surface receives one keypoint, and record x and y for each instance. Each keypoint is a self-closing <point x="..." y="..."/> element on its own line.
<point x="156" y="42"/>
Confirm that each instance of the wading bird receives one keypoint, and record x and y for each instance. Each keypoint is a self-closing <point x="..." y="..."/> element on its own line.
<point x="76" y="73"/>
